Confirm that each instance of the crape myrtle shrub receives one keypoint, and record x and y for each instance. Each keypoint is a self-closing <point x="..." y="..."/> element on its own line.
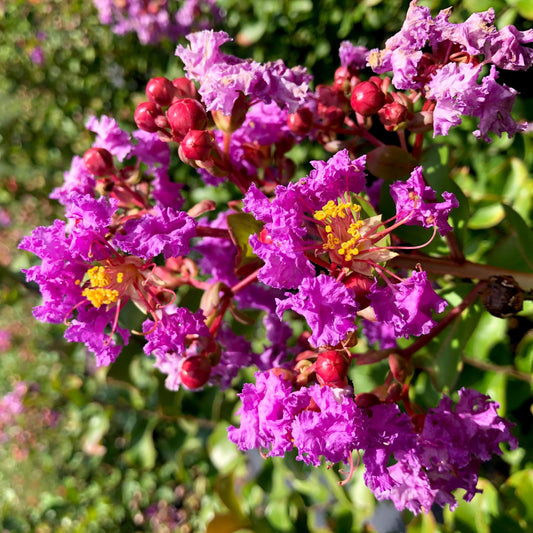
<point x="358" y="285"/>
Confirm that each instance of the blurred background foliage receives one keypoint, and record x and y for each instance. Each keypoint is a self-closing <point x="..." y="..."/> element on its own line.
<point x="112" y="449"/>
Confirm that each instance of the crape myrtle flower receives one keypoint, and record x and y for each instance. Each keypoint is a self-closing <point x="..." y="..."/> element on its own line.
<point x="449" y="74"/>
<point x="352" y="56"/>
<point x="415" y="203"/>
<point x="443" y="457"/>
<point x="328" y="307"/>
<point x="82" y="272"/>
<point x="413" y="468"/>
<point x="407" y="306"/>
<point x="165" y="231"/>
<point x="275" y="418"/>
<point x="153" y="22"/>
<point x="224" y="77"/>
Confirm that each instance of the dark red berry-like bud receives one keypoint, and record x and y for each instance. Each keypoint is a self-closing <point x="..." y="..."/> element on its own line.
<point x="301" y="122"/>
<point x="161" y="91"/>
<point x="331" y="368"/>
<point x="393" y="116"/>
<point x="197" y="144"/>
<point x="185" y="88"/>
<point x="366" y="400"/>
<point x="367" y="98"/>
<point x="186" y="115"/>
<point x="145" y="116"/>
<point x="195" y="372"/>
<point x="98" y="161"/>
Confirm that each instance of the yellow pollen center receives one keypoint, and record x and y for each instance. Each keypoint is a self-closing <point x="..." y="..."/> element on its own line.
<point x="99" y="292"/>
<point x="338" y="228"/>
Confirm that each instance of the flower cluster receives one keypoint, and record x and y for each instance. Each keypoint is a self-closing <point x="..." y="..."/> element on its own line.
<point x="322" y="251"/>
<point x="414" y="469"/>
<point x="448" y="75"/>
<point x="155" y="20"/>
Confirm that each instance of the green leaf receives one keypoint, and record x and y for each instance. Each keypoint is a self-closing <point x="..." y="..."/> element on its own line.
<point x="241" y="226"/>
<point x="517" y="493"/>
<point x="142" y="452"/>
<point x="523" y="232"/>
<point x="390" y="162"/>
<point x="447" y="349"/>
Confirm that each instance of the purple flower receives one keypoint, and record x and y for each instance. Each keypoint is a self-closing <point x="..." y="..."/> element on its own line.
<point x="266" y="415"/>
<point x="287" y="233"/>
<point x="110" y="136"/>
<point x="331" y="431"/>
<point x="494" y="106"/>
<point x="169" y="335"/>
<point x="78" y="179"/>
<point x="353" y="56"/>
<point x="37" y="55"/>
<point x="91" y="327"/>
<point x="407" y="306"/>
<point x="166" y="231"/>
<point x="327" y="305"/>
<point x="415" y="202"/>
<point x="223" y="77"/>
<point x="381" y="333"/>
<point x="236" y="353"/>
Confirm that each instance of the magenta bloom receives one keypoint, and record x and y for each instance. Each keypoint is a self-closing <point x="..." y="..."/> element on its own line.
<point x="407" y="306"/>
<point x="223" y="77"/>
<point x="415" y="202"/>
<point x="110" y="136"/>
<point x="266" y="415"/>
<point x="352" y="56"/>
<point x="327" y="305"/>
<point x="165" y="231"/>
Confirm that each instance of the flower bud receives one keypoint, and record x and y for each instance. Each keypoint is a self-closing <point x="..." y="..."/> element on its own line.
<point x="186" y="115"/>
<point x="367" y="98"/>
<point x="232" y="122"/>
<point x="301" y="121"/>
<point x="98" y="161"/>
<point x="197" y="144"/>
<point x="145" y="116"/>
<point x="393" y="116"/>
<point x="195" y="372"/>
<point x="366" y="400"/>
<point x="185" y="88"/>
<point x="160" y="91"/>
<point x="401" y="368"/>
<point x="331" y="368"/>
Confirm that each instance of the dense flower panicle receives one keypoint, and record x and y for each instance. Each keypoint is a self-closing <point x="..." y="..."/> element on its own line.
<point x="327" y="305"/>
<point x="223" y="77"/>
<point x="153" y="22"/>
<point x="415" y="203"/>
<point x="407" y="306"/>
<point x="165" y="231"/>
<point x="446" y="455"/>
<point x="460" y="50"/>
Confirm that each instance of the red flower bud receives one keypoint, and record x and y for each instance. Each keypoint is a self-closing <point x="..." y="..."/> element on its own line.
<point x="197" y="145"/>
<point x="393" y="115"/>
<point x="366" y="400"/>
<point x="195" y="372"/>
<point x="98" y="161"/>
<point x="185" y="88"/>
<point x="145" y="116"/>
<point x="232" y="122"/>
<point x="301" y="122"/>
<point x="331" y="368"/>
<point x="186" y="115"/>
<point x="160" y="91"/>
<point x="367" y="98"/>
